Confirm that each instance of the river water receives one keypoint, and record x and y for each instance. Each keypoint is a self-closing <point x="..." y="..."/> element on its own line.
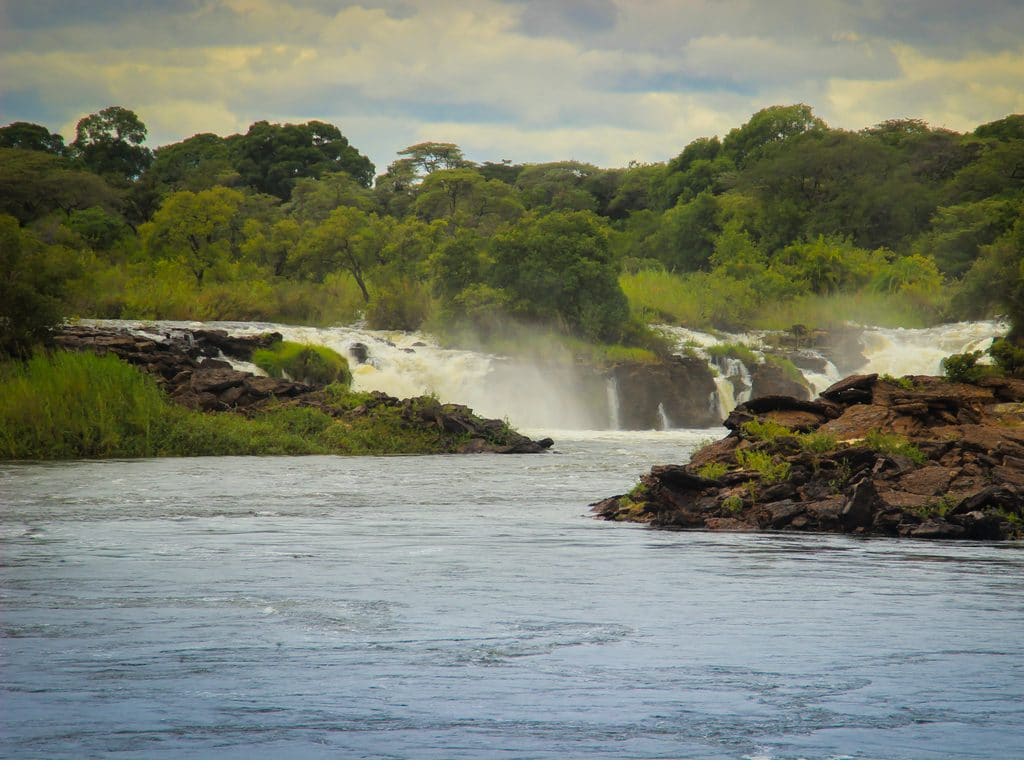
<point x="469" y="607"/>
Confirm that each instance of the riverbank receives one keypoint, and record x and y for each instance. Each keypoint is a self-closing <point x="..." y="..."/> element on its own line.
<point x="109" y="394"/>
<point x="918" y="456"/>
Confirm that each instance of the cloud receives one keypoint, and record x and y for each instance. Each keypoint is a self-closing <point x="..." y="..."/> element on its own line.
<point x="604" y="81"/>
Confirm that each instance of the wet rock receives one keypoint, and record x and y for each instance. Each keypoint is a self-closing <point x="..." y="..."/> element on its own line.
<point x="359" y="351"/>
<point x="951" y="465"/>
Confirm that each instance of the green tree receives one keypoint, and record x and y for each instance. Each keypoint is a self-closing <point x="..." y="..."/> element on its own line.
<point x="109" y="142"/>
<point x="559" y="269"/>
<point x="314" y="199"/>
<point x="561" y="186"/>
<point x="958" y="231"/>
<point x="270" y="244"/>
<point x="33" y="137"/>
<point x="33" y="287"/>
<point x="35" y="184"/>
<point x="196" y="228"/>
<point x="348" y="239"/>
<point x="995" y="282"/>
<point x="271" y="158"/>
<point x="767" y="129"/>
<point x="464" y="198"/>
<point x="686" y="237"/>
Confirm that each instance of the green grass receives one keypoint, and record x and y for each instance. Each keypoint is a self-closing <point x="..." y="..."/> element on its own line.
<point x="713" y="470"/>
<point x="894" y="445"/>
<point x="700" y="300"/>
<point x="736" y="351"/>
<point x="303" y="362"/>
<point x="771" y="469"/>
<point x="766" y="430"/>
<point x="69" y="405"/>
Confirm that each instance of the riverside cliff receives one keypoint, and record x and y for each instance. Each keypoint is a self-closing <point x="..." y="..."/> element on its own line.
<point x="193" y="371"/>
<point x="918" y="456"/>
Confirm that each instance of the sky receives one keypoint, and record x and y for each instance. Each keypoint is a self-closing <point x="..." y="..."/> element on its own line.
<point x="600" y="81"/>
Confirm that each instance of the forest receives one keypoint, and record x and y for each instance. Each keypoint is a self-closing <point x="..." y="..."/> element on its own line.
<point x="783" y="221"/>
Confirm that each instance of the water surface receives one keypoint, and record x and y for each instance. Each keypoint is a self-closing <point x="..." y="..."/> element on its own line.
<point x="469" y="607"/>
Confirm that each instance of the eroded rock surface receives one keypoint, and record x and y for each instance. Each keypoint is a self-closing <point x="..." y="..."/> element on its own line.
<point x="194" y="374"/>
<point x="920" y="456"/>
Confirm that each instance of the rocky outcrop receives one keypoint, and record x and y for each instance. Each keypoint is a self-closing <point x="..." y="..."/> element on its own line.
<point x="678" y="391"/>
<point x="920" y="457"/>
<point x="191" y="369"/>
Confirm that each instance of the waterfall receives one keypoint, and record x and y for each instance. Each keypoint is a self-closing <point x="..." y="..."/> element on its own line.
<point x="663" y="421"/>
<point x="908" y="351"/>
<point x="556" y="396"/>
<point x="612" y="390"/>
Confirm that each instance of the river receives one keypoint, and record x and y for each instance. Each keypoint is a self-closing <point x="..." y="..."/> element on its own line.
<point x="469" y="607"/>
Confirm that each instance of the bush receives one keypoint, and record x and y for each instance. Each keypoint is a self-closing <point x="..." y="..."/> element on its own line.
<point x="304" y="362"/>
<point x="1008" y="356"/>
<point x="964" y="368"/>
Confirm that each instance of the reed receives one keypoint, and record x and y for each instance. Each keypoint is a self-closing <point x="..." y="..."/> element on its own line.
<point x="68" y="405"/>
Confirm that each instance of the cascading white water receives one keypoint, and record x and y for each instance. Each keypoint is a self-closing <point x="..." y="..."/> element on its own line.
<point x="612" y="390"/>
<point x="532" y="396"/>
<point x="908" y="351"/>
<point x="664" y="423"/>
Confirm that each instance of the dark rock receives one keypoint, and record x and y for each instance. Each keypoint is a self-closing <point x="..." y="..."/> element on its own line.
<point x="937" y="529"/>
<point x="969" y="456"/>
<point x="360" y="352"/>
<point x="681" y="389"/>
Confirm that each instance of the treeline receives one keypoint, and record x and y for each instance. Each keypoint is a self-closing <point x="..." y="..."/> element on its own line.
<point x="783" y="220"/>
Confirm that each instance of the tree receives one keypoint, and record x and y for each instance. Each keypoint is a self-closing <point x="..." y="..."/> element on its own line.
<point x="314" y="199"/>
<point x="32" y="137"/>
<point x="109" y="142"/>
<point x="699" y="167"/>
<point x="196" y="228"/>
<point x="430" y="156"/>
<point x="348" y="239"/>
<point x="35" y="184"/>
<point x="559" y="269"/>
<point x="560" y="186"/>
<point x="464" y="198"/>
<point x="996" y="280"/>
<point x="958" y="231"/>
<point x="686" y="237"/>
<point x="767" y="129"/>
<point x="33" y="287"/>
<point x="271" y="158"/>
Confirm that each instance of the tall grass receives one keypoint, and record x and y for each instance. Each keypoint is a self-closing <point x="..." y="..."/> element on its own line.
<point x="70" y="405"/>
<point x="700" y="300"/>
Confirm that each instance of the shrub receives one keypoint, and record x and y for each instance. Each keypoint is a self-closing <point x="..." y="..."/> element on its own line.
<point x="304" y="362"/>
<point x="964" y="368"/>
<point x="1008" y="356"/>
